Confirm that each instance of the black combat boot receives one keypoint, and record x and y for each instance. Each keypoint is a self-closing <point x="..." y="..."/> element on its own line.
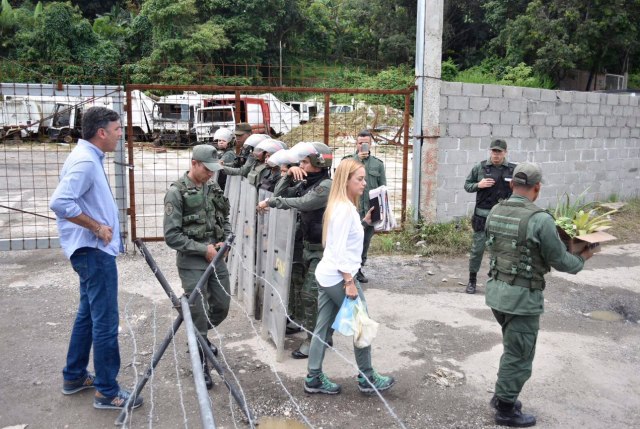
<point x="205" y="369"/>
<point x="471" y="286"/>
<point x="508" y="415"/>
<point x="213" y="348"/>
<point x="361" y="277"/>
<point x="493" y="403"/>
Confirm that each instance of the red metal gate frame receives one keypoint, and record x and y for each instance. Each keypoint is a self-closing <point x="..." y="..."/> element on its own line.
<point x="407" y="92"/>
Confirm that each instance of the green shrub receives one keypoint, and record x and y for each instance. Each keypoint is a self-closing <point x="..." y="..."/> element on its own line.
<point x="449" y="70"/>
<point x="634" y="81"/>
<point x="426" y="239"/>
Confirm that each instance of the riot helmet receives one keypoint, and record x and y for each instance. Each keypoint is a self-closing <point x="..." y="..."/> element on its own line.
<point x="253" y="140"/>
<point x="250" y="143"/>
<point x="224" y="134"/>
<point x="269" y="146"/>
<point x="319" y="154"/>
<point x="282" y="157"/>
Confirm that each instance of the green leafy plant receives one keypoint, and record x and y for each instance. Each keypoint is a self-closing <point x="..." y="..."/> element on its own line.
<point x="579" y="218"/>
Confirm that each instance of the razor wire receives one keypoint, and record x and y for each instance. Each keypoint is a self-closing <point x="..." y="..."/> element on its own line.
<point x="262" y="341"/>
<point x="153" y="370"/>
<point x="129" y="413"/>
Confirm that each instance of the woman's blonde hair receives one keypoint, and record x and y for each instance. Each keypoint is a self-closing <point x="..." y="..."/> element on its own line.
<point x="338" y="192"/>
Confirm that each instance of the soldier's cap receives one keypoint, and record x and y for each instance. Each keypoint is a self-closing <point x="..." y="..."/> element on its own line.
<point x="527" y="173"/>
<point x="208" y="155"/>
<point x="243" y="128"/>
<point x="498" y="144"/>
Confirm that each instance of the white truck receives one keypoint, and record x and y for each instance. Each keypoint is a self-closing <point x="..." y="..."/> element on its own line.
<point x="174" y="117"/>
<point x="306" y="110"/>
<point x="19" y="117"/>
<point x="65" y="123"/>
<point x="265" y="113"/>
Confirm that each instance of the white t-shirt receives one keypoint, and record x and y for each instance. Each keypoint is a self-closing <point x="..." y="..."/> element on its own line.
<point x="343" y="250"/>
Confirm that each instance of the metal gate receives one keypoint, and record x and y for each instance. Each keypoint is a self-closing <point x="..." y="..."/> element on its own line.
<point x="29" y="168"/>
<point x="155" y="164"/>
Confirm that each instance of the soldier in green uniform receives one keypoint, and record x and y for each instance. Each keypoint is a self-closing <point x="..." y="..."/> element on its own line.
<point x="524" y="245"/>
<point x="224" y="141"/>
<point x="375" y="178"/>
<point x="279" y="163"/>
<point x="306" y="188"/>
<point x="490" y="180"/>
<point x="271" y="175"/>
<point x="241" y="132"/>
<point x="253" y="165"/>
<point x="196" y="223"/>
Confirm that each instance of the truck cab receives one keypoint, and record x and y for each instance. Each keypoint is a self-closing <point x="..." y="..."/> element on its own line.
<point x="210" y="119"/>
<point x="65" y="125"/>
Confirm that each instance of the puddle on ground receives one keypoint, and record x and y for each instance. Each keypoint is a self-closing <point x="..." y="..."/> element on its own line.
<point x="605" y="315"/>
<point x="280" y="423"/>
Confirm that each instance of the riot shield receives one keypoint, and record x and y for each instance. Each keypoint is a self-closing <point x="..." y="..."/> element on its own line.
<point x="232" y="191"/>
<point x="262" y="247"/>
<point x="247" y="238"/>
<point x="281" y="232"/>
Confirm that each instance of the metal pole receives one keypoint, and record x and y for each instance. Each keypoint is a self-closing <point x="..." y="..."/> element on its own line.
<point x="417" y="110"/>
<point x="327" y="101"/>
<point x="206" y="412"/>
<point x="132" y="177"/>
<point x="405" y="157"/>
<point x="220" y="370"/>
<point x="205" y="347"/>
<point x="154" y="267"/>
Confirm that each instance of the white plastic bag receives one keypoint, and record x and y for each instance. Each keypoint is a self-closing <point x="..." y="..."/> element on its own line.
<point x="365" y="328"/>
<point x="345" y="319"/>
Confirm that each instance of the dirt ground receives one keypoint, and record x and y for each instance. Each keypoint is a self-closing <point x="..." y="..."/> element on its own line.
<point x="441" y="344"/>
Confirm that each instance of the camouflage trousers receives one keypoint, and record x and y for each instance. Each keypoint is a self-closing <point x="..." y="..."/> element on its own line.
<point x="295" y="308"/>
<point x="312" y="254"/>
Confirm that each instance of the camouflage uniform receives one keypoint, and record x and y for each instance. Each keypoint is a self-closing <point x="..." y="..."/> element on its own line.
<point x="195" y="217"/>
<point x="310" y="199"/>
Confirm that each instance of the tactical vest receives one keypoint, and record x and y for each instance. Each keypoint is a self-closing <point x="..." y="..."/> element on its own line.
<point x="269" y="181"/>
<point x="513" y="259"/>
<point x="311" y="221"/>
<point x="488" y="197"/>
<point x="203" y="216"/>
<point x="254" y="174"/>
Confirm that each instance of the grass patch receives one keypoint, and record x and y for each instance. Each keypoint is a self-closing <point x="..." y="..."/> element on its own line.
<point x="426" y="239"/>
<point x="454" y="238"/>
<point x="626" y="222"/>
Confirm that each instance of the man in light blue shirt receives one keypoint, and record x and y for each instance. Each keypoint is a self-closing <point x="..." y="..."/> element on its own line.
<point x="87" y="218"/>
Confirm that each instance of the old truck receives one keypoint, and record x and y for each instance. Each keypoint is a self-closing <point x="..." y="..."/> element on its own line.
<point x="174" y="117"/>
<point x="307" y="110"/>
<point x="19" y="117"/>
<point x="65" y="123"/>
<point x="265" y="113"/>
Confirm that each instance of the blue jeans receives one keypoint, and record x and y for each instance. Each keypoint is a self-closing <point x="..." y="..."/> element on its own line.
<point x="96" y="321"/>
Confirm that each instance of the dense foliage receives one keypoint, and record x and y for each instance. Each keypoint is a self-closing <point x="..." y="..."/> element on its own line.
<point x="521" y="42"/>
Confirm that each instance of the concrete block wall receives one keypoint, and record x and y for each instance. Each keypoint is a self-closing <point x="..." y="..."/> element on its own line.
<point x="582" y="140"/>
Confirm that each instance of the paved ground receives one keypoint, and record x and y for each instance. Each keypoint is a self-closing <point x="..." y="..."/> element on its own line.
<point x="440" y="343"/>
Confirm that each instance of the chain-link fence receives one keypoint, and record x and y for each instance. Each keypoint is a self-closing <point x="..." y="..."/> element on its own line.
<point x="187" y="115"/>
<point x="40" y="125"/>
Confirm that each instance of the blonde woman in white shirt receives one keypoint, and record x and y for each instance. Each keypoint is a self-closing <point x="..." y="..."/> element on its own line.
<point x="342" y="236"/>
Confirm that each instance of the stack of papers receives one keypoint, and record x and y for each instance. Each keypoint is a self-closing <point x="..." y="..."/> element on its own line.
<point x="382" y="216"/>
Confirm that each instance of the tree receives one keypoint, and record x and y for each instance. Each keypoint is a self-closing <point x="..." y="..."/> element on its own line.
<point x="556" y="37"/>
<point x="61" y="37"/>
<point x="178" y="40"/>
